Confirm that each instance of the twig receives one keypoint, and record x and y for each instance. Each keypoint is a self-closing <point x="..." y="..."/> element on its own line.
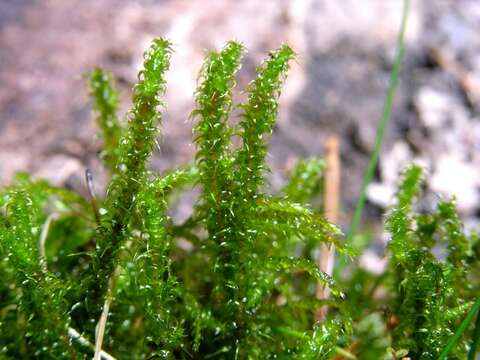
<point x="91" y="193"/>
<point x="346" y="354"/>
<point x="331" y="206"/>
<point x="76" y="336"/>
<point x="102" y="322"/>
<point x="42" y="241"/>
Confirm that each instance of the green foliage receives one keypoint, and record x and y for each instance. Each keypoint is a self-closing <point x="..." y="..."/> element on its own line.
<point x="135" y="147"/>
<point x="38" y="301"/>
<point x="212" y="136"/>
<point x="105" y="103"/>
<point x="249" y="232"/>
<point x="258" y="119"/>
<point x="426" y="294"/>
<point x="237" y="279"/>
<point x="305" y="181"/>
<point x="430" y="294"/>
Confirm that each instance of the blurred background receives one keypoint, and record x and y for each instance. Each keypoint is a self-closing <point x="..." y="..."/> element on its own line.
<point x="337" y="86"/>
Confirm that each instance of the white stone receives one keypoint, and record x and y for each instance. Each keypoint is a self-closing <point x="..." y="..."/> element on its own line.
<point x="373" y="263"/>
<point x="381" y="194"/>
<point x="454" y="176"/>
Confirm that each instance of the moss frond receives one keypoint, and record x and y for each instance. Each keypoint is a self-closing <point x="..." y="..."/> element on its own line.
<point x="42" y="315"/>
<point x="105" y="104"/>
<point x="427" y="301"/>
<point x="292" y="222"/>
<point x="399" y="222"/>
<point x="305" y="181"/>
<point x="235" y="280"/>
<point x="212" y="133"/>
<point x="154" y="284"/>
<point x="320" y="343"/>
<point x="136" y="145"/>
<point x="212" y="137"/>
<point x="258" y="118"/>
<point x="451" y="231"/>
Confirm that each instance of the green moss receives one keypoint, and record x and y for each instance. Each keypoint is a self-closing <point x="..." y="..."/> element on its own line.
<point x="105" y="104"/>
<point x="236" y="279"/>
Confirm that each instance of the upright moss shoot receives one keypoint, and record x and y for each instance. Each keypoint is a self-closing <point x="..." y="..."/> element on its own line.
<point x="428" y="301"/>
<point x="135" y="147"/>
<point x="105" y="104"/>
<point x="212" y="136"/>
<point x="258" y="119"/>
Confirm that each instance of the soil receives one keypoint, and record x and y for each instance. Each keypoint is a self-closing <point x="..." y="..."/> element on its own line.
<point x="337" y="85"/>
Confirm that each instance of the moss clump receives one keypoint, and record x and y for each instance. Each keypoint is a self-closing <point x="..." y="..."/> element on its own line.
<point x="237" y="279"/>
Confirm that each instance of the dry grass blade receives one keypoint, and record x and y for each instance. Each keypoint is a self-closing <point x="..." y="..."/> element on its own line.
<point x="331" y="203"/>
<point x="102" y="322"/>
<point x="76" y="336"/>
<point x="91" y="193"/>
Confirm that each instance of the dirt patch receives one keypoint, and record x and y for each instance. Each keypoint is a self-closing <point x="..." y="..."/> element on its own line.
<point x="337" y="86"/>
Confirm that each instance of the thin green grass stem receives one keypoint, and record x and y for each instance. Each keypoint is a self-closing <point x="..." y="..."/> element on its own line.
<point x="463" y="326"/>
<point x="475" y="340"/>
<point x="382" y="126"/>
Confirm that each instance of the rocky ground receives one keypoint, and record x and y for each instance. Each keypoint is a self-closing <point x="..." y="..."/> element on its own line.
<point x="338" y="84"/>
